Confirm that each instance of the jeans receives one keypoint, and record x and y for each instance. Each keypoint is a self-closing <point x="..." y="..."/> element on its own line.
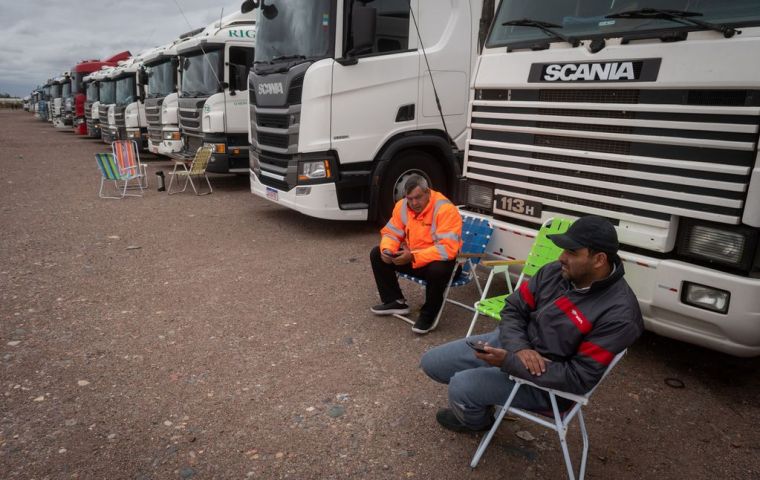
<point x="436" y="274"/>
<point x="474" y="385"/>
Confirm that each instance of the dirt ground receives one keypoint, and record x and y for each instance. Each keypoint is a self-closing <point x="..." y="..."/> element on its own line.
<point x="226" y="337"/>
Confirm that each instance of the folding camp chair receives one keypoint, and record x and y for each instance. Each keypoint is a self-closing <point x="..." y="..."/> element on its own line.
<point x="476" y="233"/>
<point x="128" y="158"/>
<point x="197" y="169"/>
<point x="560" y="420"/>
<point x="542" y="252"/>
<point x="110" y="171"/>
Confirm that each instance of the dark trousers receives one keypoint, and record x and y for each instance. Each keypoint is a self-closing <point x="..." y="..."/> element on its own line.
<point x="436" y="274"/>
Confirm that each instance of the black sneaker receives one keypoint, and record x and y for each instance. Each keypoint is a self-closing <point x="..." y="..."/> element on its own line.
<point x="449" y="421"/>
<point x="424" y="325"/>
<point x="390" y="308"/>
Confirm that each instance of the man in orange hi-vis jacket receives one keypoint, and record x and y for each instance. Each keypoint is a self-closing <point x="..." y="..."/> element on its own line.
<point x="422" y="239"/>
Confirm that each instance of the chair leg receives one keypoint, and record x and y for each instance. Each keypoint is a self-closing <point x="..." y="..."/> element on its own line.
<point x="173" y="174"/>
<point x="487" y="438"/>
<point x="584" y="434"/>
<point x="562" y="432"/>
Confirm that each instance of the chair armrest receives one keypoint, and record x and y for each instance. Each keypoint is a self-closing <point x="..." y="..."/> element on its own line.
<point x="472" y="255"/>
<point x="581" y="399"/>
<point x="496" y="263"/>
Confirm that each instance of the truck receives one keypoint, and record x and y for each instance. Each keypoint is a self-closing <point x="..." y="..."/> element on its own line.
<point x="378" y="93"/>
<point x="213" y="96"/>
<point x="126" y="117"/>
<point x="106" y="101"/>
<point x="644" y="113"/>
<point x="99" y="90"/>
<point x="161" y="97"/>
<point x="55" y="103"/>
<point x="77" y="102"/>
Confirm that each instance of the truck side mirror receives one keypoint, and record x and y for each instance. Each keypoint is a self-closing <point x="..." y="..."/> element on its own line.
<point x="363" y="27"/>
<point x="248" y="6"/>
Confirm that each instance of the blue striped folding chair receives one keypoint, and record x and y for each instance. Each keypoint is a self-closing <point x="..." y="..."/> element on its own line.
<point x="111" y="171"/>
<point x="476" y="233"/>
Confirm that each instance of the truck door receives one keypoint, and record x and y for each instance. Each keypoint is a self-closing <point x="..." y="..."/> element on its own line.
<point x="378" y="95"/>
<point x="239" y="61"/>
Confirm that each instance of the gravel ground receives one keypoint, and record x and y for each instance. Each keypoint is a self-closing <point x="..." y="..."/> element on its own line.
<point x="225" y="337"/>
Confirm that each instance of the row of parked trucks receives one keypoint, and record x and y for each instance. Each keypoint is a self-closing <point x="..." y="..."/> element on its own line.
<point x="647" y="113"/>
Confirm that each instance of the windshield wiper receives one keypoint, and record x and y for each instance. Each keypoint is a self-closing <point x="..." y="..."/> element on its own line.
<point x="544" y="27"/>
<point x="678" y="16"/>
<point x="287" y="57"/>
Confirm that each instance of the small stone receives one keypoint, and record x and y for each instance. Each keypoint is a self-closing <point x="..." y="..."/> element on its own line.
<point x="310" y="409"/>
<point x="342" y="397"/>
<point x="336" y="411"/>
<point x="41" y="398"/>
<point x="135" y="247"/>
<point x="168" y="423"/>
<point x="70" y="422"/>
<point x="279" y="455"/>
<point x="527" y="436"/>
<point x="83" y="383"/>
<point x="62" y="450"/>
<point x="114" y="237"/>
<point x="14" y="343"/>
<point x="187" y="472"/>
<point x="111" y="436"/>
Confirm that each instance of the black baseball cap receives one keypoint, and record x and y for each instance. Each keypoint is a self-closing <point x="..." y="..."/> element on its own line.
<point x="592" y="231"/>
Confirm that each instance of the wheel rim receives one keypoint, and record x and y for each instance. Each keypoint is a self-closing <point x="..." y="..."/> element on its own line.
<point x="398" y="187"/>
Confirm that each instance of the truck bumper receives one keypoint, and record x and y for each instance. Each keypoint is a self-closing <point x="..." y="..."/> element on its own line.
<point x="320" y="201"/>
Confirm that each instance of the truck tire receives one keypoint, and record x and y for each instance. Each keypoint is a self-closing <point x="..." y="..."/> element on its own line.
<point x="402" y="166"/>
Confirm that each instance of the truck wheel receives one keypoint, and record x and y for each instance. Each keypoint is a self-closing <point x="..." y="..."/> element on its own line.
<point x="404" y="165"/>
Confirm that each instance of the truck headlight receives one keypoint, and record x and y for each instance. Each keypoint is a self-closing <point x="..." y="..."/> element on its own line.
<point x="314" y="170"/>
<point x="132" y="134"/>
<point x="217" y="147"/>
<point x="725" y="244"/>
<point x="707" y="298"/>
<point x="480" y="196"/>
<point x="171" y="135"/>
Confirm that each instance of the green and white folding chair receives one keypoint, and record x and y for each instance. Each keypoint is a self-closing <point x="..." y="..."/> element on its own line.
<point x="559" y="420"/>
<point x="542" y="252"/>
<point x="197" y="169"/>
<point x="127" y="156"/>
<point x="111" y="171"/>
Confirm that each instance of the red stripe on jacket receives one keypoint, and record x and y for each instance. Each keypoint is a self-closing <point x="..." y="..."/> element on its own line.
<point x="527" y="296"/>
<point x="574" y="314"/>
<point x="601" y="355"/>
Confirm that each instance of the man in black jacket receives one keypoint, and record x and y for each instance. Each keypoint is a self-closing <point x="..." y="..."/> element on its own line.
<point x="559" y="330"/>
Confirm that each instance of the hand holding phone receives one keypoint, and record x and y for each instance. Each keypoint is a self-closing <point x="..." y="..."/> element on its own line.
<point x="391" y="254"/>
<point x="476" y="345"/>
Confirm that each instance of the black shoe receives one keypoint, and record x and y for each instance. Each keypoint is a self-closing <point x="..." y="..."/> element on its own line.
<point x="390" y="308"/>
<point x="424" y="325"/>
<point x="449" y="421"/>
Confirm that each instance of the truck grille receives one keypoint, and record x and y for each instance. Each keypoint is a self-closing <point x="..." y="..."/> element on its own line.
<point x="103" y="113"/>
<point x="277" y="128"/>
<point x="153" y="112"/>
<point x="118" y="116"/>
<point x="639" y="155"/>
<point x="88" y="110"/>
<point x="277" y="171"/>
<point x="190" y="114"/>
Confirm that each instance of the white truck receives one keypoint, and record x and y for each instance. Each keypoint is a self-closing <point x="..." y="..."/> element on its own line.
<point x="162" y="97"/>
<point x="213" y="98"/>
<point x="106" y="101"/>
<point x="56" y="100"/>
<point x="126" y="118"/>
<point x="648" y="114"/>
<point x="343" y="109"/>
<point x="100" y="90"/>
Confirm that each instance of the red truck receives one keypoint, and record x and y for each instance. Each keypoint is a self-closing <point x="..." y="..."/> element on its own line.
<point x="78" y="91"/>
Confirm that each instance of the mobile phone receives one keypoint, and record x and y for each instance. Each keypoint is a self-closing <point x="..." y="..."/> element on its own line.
<point x="477" y="346"/>
<point x="390" y="254"/>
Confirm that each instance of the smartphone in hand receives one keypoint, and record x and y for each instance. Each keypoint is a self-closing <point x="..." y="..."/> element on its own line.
<point x="476" y="345"/>
<point x="391" y="254"/>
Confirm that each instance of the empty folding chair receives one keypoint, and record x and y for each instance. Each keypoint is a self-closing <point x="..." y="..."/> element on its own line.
<point x="542" y="251"/>
<point x="112" y="172"/>
<point x="128" y="157"/>
<point x="476" y="233"/>
<point x="197" y="169"/>
<point x="560" y="420"/>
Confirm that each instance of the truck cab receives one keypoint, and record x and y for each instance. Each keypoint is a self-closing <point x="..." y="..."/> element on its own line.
<point x="343" y="104"/>
<point x="106" y="101"/>
<point x="55" y="104"/>
<point x="95" y="93"/>
<point x="213" y="97"/>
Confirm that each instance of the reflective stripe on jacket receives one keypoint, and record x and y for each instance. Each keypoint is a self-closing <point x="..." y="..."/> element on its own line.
<point x="433" y="234"/>
<point x="580" y="331"/>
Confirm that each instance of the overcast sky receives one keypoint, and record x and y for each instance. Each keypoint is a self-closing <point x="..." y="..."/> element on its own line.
<point x="40" y="39"/>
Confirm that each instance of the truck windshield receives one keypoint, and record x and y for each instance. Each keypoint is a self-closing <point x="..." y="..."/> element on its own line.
<point x="201" y="74"/>
<point x="107" y="92"/>
<point x="92" y="92"/>
<point x="66" y="89"/>
<point x="161" y="79"/>
<point x="76" y="82"/>
<point x="55" y="90"/>
<point x="289" y="29"/>
<point x="584" y="19"/>
<point x="125" y="90"/>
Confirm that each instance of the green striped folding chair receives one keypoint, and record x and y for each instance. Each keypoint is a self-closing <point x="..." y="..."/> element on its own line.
<point x="110" y="171"/>
<point x="542" y="252"/>
<point x="127" y="156"/>
<point x="197" y="169"/>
